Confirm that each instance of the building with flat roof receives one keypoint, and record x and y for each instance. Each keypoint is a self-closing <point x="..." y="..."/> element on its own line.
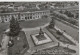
<point x="23" y="15"/>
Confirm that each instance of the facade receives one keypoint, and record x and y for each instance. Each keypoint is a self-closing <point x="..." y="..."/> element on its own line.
<point x="6" y="17"/>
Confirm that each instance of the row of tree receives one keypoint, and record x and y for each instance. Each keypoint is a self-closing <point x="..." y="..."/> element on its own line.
<point x="60" y="16"/>
<point x="69" y="14"/>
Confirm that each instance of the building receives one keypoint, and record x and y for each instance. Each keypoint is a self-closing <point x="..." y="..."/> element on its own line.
<point x="23" y="15"/>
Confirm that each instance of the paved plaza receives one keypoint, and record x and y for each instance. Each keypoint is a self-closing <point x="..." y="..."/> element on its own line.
<point x="39" y="28"/>
<point x="39" y="47"/>
<point x="33" y="48"/>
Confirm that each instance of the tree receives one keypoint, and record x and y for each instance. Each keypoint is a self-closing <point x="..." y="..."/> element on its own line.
<point x="14" y="27"/>
<point x="72" y="21"/>
<point x="52" y="23"/>
<point x="69" y="14"/>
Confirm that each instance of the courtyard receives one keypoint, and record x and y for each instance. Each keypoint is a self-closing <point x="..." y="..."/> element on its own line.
<point x="25" y="38"/>
<point x="24" y="24"/>
<point x="34" y="48"/>
<point x="21" y="46"/>
<point x="36" y="32"/>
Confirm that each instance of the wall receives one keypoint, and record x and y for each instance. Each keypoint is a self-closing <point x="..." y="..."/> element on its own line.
<point x="6" y="17"/>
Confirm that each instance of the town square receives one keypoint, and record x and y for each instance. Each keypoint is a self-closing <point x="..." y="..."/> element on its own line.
<point x="39" y="28"/>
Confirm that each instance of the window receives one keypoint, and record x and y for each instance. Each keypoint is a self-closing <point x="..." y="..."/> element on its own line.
<point x="25" y="17"/>
<point x="5" y="19"/>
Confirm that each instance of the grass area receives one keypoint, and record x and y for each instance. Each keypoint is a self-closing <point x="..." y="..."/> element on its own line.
<point x="57" y="50"/>
<point x="18" y="44"/>
<point x="34" y="23"/>
<point x="60" y="37"/>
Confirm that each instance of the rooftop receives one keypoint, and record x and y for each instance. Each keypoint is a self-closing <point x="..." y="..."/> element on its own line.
<point x="24" y="11"/>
